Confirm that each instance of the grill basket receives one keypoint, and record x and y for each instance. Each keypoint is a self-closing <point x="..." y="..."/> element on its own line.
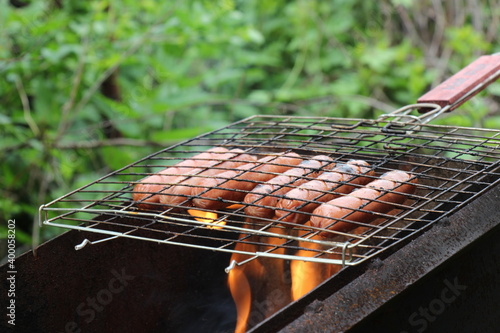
<point x="453" y="165"/>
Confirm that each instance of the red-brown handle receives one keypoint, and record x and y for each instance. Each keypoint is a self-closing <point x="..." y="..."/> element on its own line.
<point x="484" y="70"/>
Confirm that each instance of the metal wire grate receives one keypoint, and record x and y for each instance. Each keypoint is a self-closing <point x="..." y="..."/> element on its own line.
<point x="453" y="166"/>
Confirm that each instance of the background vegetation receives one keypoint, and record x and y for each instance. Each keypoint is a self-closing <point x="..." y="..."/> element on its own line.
<point x="90" y="86"/>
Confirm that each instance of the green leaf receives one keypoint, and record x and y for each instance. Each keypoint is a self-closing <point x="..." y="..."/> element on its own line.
<point x="379" y="59"/>
<point x="494" y="89"/>
<point x="175" y="135"/>
<point x="492" y="122"/>
<point x="404" y="3"/>
<point x="259" y="96"/>
<point x="5" y="120"/>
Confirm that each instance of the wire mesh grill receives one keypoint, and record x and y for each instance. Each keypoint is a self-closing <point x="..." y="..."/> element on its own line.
<point x="453" y="166"/>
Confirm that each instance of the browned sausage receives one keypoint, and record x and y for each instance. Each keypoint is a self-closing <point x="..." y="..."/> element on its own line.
<point x="379" y="196"/>
<point x="308" y="196"/>
<point x="181" y="193"/>
<point x="146" y="192"/>
<point x="266" y="195"/>
<point x="233" y="185"/>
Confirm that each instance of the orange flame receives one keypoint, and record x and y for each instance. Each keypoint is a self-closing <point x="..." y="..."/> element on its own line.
<point x="207" y="217"/>
<point x="242" y="296"/>
<point x="261" y="286"/>
<point x="308" y="275"/>
<point x="234" y="206"/>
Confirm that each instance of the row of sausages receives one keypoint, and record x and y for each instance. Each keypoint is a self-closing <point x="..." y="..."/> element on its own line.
<point x="284" y="186"/>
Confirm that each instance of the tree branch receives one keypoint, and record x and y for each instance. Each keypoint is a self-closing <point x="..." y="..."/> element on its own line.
<point x="75" y="85"/>
<point x="26" y="107"/>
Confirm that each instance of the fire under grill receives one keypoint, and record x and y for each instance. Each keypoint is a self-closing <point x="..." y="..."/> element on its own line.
<point x="452" y="165"/>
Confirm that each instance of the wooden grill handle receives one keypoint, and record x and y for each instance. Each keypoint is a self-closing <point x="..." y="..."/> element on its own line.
<point x="469" y="81"/>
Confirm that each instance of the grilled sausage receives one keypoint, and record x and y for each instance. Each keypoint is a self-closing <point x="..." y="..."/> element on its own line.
<point x="235" y="184"/>
<point x="180" y="194"/>
<point x="379" y="196"/>
<point x="146" y="192"/>
<point x="266" y="195"/>
<point x="308" y="196"/>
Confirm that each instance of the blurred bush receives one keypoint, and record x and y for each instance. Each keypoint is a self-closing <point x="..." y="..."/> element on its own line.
<point x="83" y="79"/>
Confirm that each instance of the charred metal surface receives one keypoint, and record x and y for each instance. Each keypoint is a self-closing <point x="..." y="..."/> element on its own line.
<point x="120" y="286"/>
<point x="461" y="295"/>
<point x="448" y="280"/>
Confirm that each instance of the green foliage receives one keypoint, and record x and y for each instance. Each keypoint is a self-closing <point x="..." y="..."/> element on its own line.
<point x="83" y="79"/>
